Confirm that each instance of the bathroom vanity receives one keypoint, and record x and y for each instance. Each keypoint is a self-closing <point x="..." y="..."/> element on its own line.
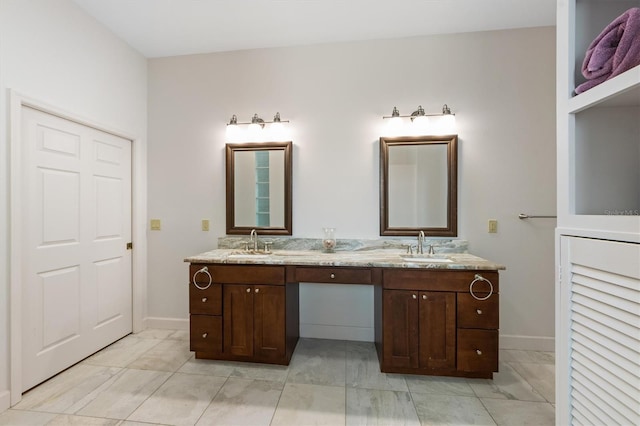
<point x="433" y="315"/>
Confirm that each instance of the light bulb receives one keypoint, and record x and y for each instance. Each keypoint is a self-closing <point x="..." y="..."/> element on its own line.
<point x="420" y="125"/>
<point x="448" y="124"/>
<point x="233" y="133"/>
<point x="277" y="131"/>
<point x="395" y="126"/>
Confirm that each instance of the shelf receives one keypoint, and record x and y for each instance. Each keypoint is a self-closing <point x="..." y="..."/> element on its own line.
<point x="622" y="90"/>
<point x="606" y="154"/>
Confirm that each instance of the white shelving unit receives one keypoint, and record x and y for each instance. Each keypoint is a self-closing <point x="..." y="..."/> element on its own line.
<point x="598" y="205"/>
<point x="598" y="132"/>
<point x="598" y="234"/>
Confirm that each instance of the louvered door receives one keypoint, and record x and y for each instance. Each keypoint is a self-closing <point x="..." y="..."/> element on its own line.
<point x="600" y="320"/>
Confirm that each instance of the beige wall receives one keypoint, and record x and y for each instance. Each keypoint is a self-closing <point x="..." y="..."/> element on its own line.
<point x="500" y="84"/>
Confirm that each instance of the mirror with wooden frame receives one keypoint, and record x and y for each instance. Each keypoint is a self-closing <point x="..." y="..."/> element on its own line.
<point x="259" y="187"/>
<point x="418" y="185"/>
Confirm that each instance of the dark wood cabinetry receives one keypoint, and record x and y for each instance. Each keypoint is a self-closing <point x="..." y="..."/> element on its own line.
<point x="419" y="329"/>
<point x="431" y="324"/>
<point x="437" y="330"/>
<point x="327" y="274"/>
<point x="427" y="321"/>
<point x="245" y="314"/>
<point x="254" y="321"/>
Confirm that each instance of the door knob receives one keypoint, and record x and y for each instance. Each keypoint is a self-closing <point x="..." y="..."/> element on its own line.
<point x="248" y="290"/>
<point x="204" y="299"/>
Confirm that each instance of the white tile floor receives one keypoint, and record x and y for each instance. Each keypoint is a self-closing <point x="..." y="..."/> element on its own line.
<point x="151" y="378"/>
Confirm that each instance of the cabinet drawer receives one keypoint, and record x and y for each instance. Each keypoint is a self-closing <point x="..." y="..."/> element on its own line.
<point x="207" y="302"/>
<point x="239" y="274"/>
<point x="206" y="333"/>
<point x="333" y="275"/>
<point x="438" y="280"/>
<point x="477" y="350"/>
<point x="474" y="313"/>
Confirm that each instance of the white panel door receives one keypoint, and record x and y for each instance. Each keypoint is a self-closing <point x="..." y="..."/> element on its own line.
<point x="76" y="269"/>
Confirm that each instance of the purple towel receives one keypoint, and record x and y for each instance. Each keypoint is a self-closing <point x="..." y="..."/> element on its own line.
<point x="614" y="51"/>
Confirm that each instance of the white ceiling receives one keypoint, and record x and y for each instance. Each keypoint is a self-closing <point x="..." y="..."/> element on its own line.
<point x="158" y="28"/>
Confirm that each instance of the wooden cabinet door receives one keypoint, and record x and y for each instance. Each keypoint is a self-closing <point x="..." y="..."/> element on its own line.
<point x="269" y="321"/>
<point x="437" y="329"/>
<point x="238" y="319"/>
<point x="400" y="328"/>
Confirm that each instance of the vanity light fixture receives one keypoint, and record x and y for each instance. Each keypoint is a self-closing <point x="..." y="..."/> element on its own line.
<point x="256" y="120"/>
<point x="447" y="121"/>
<point x="256" y="130"/>
<point x="419" y="113"/>
<point x="423" y="123"/>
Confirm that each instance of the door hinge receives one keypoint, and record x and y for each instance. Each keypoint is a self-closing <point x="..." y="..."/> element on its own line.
<point x="129" y="246"/>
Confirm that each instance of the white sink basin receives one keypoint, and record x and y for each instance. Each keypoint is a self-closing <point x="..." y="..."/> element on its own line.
<point x="426" y="259"/>
<point x="247" y="256"/>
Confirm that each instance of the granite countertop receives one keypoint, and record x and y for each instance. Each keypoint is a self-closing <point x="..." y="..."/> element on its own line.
<point x="386" y="258"/>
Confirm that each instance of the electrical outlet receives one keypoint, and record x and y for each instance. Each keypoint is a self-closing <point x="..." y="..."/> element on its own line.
<point x="205" y="224"/>
<point x="155" y="224"/>
<point x="493" y="226"/>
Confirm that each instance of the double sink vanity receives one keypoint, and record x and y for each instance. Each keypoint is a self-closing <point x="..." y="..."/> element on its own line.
<point x="433" y="314"/>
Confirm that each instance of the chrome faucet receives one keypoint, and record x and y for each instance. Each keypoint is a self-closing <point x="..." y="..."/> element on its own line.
<point x="420" y="241"/>
<point x="253" y="238"/>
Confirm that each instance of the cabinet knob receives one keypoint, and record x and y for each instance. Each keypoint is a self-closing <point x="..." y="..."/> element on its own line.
<point x="424" y="297"/>
<point x="414" y="296"/>
<point x="332" y="276"/>
<point x="478" y="351"/>
<point x="204" y="335"/>
<point x="248" y="290"/>
<point x="257" y="290"/>
<point x="204" y="299"/>
<point x="479" y="311"/>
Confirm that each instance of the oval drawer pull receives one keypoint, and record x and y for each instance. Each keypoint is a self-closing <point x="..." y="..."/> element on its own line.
<point x="204" y="335"/>
<point x="479" y="311"/>
<point x="248" y="290"/>
<point x="332" y="276"/>
<point x="204" y="300"/>
<point x="414" y="296"/>
<point x="257" y="290"/>
<point x="478" y="351"/>
<point x="424" y="297"/>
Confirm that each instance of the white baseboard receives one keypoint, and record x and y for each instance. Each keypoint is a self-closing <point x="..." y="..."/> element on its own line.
<point x="337" y="332"/>
<point x="5" y="400"/>
<point x="360" y="334"/>
<point x="166" y="323"/>
<point x="527" y="343"/>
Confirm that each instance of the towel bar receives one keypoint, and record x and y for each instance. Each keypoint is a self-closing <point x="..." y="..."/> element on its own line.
<point x="530" y="216"/>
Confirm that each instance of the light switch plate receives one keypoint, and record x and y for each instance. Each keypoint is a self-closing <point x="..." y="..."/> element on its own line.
<point x="155" y="224"/>
<point x="205" y="224"/>
<point x="493" y="226"/>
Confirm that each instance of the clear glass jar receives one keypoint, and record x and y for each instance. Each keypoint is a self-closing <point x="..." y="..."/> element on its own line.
<point x="329" y="240"/>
